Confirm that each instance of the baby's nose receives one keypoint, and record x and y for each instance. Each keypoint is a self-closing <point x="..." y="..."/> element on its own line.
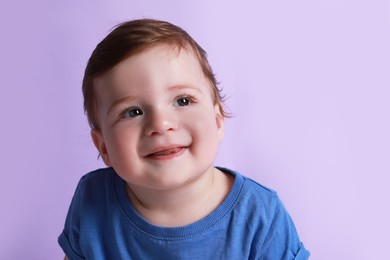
<point x="160" y="122"/>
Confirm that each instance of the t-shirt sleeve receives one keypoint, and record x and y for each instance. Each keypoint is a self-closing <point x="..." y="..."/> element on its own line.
<point x="282" y="240"/>
<point x="69" y="238"/>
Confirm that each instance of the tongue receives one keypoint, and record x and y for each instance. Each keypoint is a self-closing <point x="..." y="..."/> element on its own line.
<point x="166" y="152"/>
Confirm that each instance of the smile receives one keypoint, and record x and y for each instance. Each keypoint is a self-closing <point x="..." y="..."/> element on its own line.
<point x="166" y="153"/>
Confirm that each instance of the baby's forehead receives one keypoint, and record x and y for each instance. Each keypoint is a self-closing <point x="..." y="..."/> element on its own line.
<point x="170" y="64"/>
<point x="149" y="57"/>
<point x="173" y="50"/>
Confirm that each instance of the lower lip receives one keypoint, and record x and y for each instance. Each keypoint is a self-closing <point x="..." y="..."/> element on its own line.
<point x="171" y="153"/>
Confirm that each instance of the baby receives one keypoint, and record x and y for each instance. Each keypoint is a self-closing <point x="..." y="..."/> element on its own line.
<point x="157" y="118"/>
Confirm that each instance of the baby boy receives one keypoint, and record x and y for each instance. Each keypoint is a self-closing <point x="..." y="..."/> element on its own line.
<point x="157" y="118"/>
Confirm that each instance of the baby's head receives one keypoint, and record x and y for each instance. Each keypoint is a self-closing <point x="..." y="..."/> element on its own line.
<point x="134" y="37"/>
<point x="153" y="105"/>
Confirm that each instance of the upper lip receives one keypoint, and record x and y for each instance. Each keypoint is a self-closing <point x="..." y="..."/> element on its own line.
<point x="164" y="148"/>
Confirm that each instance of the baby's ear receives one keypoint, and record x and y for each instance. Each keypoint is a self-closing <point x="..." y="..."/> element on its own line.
<point x="100" y="145"/>
<point x="220" y="120"/>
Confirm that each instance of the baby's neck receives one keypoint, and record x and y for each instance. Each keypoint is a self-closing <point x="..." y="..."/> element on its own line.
<point x="185" y="205"/>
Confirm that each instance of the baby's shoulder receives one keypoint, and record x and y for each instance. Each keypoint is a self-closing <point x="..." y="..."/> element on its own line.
<point x="249" y="186"/>
<point x="258" y="195"/>
<point x="257" y="189"/>
<point x="96" y="181"/>
<point x="250" y="195"/>
<point x="97" y="175"/>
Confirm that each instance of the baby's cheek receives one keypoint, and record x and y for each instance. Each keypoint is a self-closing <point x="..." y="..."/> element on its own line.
<point x="208" y="133"/>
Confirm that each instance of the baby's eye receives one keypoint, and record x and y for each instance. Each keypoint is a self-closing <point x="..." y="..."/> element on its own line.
<point x="183" y="101"/>
<point x="133" y="112"/>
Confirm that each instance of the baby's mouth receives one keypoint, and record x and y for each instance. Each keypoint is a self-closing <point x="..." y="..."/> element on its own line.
<point x="167" y="153"/>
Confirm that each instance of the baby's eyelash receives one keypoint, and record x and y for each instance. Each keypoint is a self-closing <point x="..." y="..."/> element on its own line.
<point x="184" y="100"/>
<point x="131" y="112"/>
<point x="189" y="96"/>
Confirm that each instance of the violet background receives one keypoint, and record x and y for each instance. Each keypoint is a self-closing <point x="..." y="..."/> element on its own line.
<point x="308" y="83"/>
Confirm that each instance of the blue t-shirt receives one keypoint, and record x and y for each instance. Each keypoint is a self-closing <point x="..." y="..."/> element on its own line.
<point x="251" y="223"/>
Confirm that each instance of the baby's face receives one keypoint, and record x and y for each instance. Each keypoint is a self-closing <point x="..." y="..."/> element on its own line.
<point x="159" y="127"/>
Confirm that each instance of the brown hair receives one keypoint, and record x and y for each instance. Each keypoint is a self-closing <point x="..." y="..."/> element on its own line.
<point x="130" y="38"/>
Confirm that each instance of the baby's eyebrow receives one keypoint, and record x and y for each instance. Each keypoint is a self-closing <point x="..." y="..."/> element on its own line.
<point x="181" y="87"/>
<point x="119" y="101"/>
